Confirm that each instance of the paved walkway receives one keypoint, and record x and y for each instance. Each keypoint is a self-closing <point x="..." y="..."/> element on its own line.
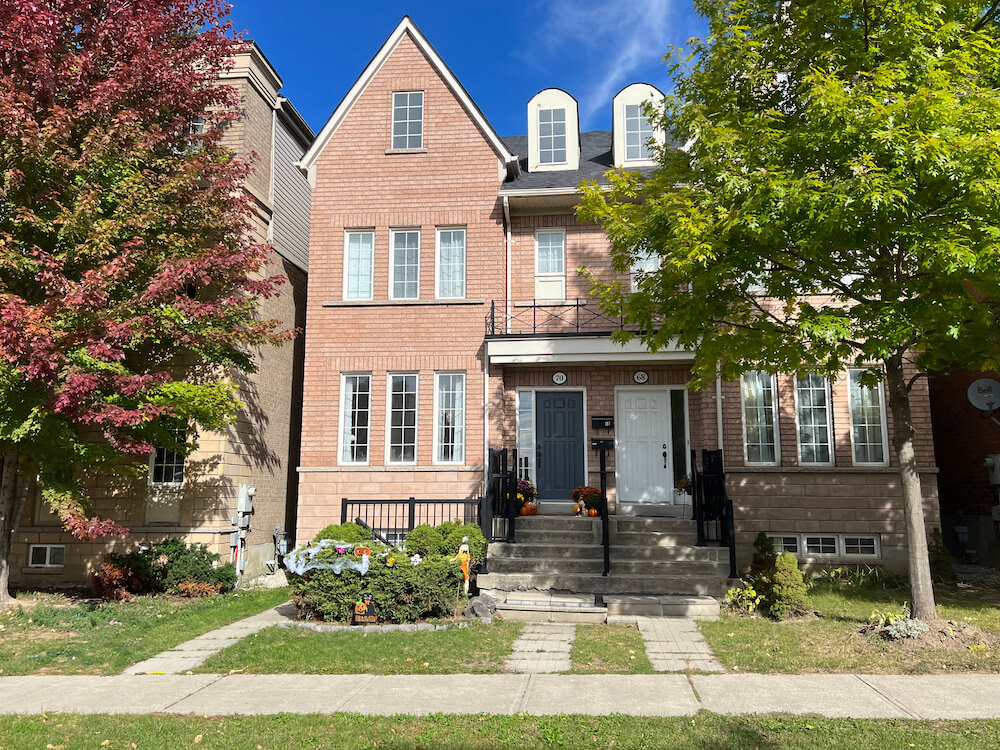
<point x="195" y="652"/>
<point x="674" y="644"/>
<point x="542" y="647"/>
<point x="835" y="695"/>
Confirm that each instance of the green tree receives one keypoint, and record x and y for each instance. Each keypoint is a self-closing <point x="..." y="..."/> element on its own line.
<point x="836" y="203"/>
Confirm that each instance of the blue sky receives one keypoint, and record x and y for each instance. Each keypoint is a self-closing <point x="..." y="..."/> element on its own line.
<point x="502" y="52"/>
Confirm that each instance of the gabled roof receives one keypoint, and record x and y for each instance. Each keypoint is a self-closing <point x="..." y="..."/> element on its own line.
<point x="406" y="26"/>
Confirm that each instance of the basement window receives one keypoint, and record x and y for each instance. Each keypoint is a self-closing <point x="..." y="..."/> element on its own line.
<point x="46" y="555"/>
<point x="821" y="545"/>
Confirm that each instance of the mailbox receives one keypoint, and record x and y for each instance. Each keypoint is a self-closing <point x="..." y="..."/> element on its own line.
<point x="602" y="444"/>
<point x="602" y="423"/>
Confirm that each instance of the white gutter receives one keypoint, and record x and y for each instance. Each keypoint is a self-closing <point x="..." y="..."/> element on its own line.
<point x="510" y="241"/>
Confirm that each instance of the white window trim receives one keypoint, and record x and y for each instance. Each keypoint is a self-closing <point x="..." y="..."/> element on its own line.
<point x="549" y="274"/>
<point x="392" y="258"/>
<point x="437" y="261"/>
<point x="829" y="424"/>
<point x="164" y="485"/>
<point x="538" y="125"/>
<point x="392" y="119"/>
<point x="774" y="418"/>
<point x="882" y="416"/>
<point x="347" y="263"/>
<point x="48" y="555"/>
<point x="839" y="537"/>
<point x="341" y="432"/>
<point x="437" y="422"/>
<point x="649" y="142"/>
<point x="843" y="546"/>
<point x="634" y="277"/>
<point x="388" y="418"/>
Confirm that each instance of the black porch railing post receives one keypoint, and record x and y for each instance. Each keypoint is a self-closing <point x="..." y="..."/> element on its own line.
<point x="511" y="496"/>
<point x="698" y="500"/>
<point x="343" y="511"/>
<point x="605" y="521"/>
<point x="534" y="317"/>
<point x="492" y="328"/>
<point x="577" y="314"/>
<point x="411" y="521"/>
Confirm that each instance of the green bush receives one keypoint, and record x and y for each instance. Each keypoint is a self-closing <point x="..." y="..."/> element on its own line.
<point x="349" y="532"/>
<point x="763" y="555"/>
<point x="425" y="540"/>
<point x="164" y="566"/>
<point x="401" y="593"/>
<point x="784" y="589"/>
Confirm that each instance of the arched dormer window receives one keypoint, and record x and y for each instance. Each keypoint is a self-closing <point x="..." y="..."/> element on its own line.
<point x="553" y="132"/>
<point x="633" y="133"/>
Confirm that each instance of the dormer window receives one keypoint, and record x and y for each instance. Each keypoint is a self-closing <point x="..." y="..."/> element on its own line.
<point x="638" y="133"/>
<point x="407" y="120"/>
<point x="552" y="136"/>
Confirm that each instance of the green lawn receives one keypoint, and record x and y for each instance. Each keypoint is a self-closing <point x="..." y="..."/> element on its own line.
<point x="348" y="731"/>
<point x="605" y="649"/>
<point x="469" y="650"/>
<point x="831" y="643"/>
<point x="79" y="639"/>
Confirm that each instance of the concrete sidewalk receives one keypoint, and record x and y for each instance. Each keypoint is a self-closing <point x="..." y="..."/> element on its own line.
<point x="971" y="696"/>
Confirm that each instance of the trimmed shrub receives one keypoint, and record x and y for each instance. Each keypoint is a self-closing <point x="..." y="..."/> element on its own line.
<point x="785" y="590"/>
<point x="198" y="589"/>
<point x="349" y="532"/>
<point x="425" y="540"/>
<point x="763" y="555"/>
<point x="401" y="593"/>
<point x="163" y="567"/>
<point x="114" y="582"/>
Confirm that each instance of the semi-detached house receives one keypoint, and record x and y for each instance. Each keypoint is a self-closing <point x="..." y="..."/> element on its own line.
<point x="446" y="317"/>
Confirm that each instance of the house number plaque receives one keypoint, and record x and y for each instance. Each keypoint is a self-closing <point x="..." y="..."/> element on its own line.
<point x="640" y="376"/>
<point x="559" y="377"/>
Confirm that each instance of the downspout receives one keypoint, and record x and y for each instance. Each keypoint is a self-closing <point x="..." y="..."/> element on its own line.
<point x="274" y="144"/>
<point x="507" y="303"/>
<point x="718" y="411"/>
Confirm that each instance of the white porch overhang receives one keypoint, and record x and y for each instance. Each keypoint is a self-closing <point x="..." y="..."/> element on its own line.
<point x="581" y="350"/>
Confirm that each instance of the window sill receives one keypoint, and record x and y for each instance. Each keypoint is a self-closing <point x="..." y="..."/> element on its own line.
<point x="48" y="570"/>
<point x="390" y="151"/>
<point x="755" y="469"/>
<point x="391" y="468"/>
<point x="400" y="302"/>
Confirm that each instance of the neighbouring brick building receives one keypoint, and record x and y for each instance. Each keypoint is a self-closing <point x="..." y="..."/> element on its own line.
<point x="195" y="497"/>
<point x="445" y="318"/>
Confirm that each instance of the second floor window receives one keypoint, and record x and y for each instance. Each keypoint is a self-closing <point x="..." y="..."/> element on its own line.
<point x="552" y="136"/>
<point x="759" y="408"/>
<point x="403" y="419"/>
<point x="451" y="262"/>
<point x="638" y="133"/>
<point x="812" y="411"/>
<point x="407" y="119"/>
<point x="646" y="263"/>
<point x="550" y="265"/>
<point x="166" y="465"/>
<point x="358" y="273"/>
<point x="405" y="279"/>
<point x="355" y="419"/>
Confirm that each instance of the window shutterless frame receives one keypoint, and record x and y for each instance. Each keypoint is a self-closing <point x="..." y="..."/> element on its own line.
<point x="402" y="384"/>
<point x="359" y="264"/>
<point x="46" y="555"/>
<point x="357" y="405"/>
<point x="882" y="425"/>
<point x="775" y="430"/>
<point x="451" y="255"/>
<point x="550" y="264"/>
<point x="449" y="417"/>
<point x="800" y="423"/>
<point x="638" y="133"/>
<point x="404" y="263"/>
<point x="407" y="120"/>
<point x="552" y="146"/>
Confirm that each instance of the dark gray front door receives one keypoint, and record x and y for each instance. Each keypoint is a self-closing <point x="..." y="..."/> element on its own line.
<point x="559" y="437"/>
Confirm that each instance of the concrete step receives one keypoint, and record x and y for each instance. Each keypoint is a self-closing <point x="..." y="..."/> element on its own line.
<point x="595" y="550"/>
<point x="653" y="539"/>
<point x="564" y="565"/>
<point x="549" y="606"/>
<point x="557" y="523"/>
<point x="646" y="510"/>
<point x="696" y="607"/>
<point x="661" y="525"/>
<point x="551" y="537"/>
<point x="612" y="584"/>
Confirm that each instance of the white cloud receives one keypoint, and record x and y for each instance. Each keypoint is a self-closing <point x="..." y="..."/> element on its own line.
<point x="614" y="38"/>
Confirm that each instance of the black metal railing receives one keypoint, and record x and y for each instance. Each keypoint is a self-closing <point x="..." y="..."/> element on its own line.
<point x="570" y="318"/>
<point x="605" y="521"/>
<point x="711" y="507"/>
<point x="394" y="519"/>
<point x="499" y="507"/>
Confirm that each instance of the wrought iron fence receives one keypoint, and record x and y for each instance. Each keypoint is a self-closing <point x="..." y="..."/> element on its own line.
<point x="713" y="510"/>
<point x="394" y="519"/>
<point x="570" y="318"/>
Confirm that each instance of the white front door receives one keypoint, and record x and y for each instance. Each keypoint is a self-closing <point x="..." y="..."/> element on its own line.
<point x="643" y="472"/>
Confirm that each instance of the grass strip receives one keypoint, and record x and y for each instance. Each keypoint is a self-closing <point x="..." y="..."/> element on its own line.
<point x="609" y="649"/>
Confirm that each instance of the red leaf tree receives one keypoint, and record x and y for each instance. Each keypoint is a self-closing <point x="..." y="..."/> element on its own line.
<point x="129" y="283"/>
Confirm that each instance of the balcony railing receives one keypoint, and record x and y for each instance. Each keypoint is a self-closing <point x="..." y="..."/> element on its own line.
<point x="538" y="318"/>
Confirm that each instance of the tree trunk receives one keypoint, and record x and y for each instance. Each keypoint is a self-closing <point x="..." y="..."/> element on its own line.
<point x="9" y="512"/>
<point x="921" y="590"/>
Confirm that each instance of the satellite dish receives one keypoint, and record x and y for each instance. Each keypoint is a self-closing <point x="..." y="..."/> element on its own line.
<point x="984" y="394"/>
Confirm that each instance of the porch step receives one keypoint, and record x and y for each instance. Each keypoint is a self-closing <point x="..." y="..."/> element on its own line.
<point x="556" y="537"/>
<point x="652" y="539"/>
<point x="695" y="607"/>
<point x="647" y="510"/>
<point x="595" y="564"/>
<point x="594" y="550"/>
<point x="616" y="583"/>
<point x="557" y="523"/>
<point x="630" y="524"/>
<point x="549" y="606"/>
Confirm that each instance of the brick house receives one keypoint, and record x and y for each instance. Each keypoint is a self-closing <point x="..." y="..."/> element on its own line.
<point x="446" y="317"/>
<point x="195" y="497"/>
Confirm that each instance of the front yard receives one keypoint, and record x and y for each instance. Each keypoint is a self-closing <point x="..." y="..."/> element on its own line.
<point x="831" y="643"/>
<point x="48" y="635"/>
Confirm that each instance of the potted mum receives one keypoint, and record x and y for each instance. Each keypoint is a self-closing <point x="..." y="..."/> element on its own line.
<point x="526" y="492"/>
<point x="586" y="501"/>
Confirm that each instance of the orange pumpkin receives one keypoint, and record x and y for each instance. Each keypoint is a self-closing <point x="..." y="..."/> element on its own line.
<point x="534" y="509"/>
<point x="525" y="510"/>
<point x="592" y="512"/>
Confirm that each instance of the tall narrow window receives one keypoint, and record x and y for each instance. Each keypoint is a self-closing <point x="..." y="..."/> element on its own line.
<point x="525" y="435"/>
<point x="638" y="133"/>
<point x="449" y="440"/>
<point x="550" y="265"/>
<point x="355" y="419"/>
<point x="646" y="262"/>
<point x="405" y="272"/>
<point x="407" y="119"/>
<point x="812" y="411"/>
<point x="759" y="417"/>
<point x="451" y="263"/>
<point x="403" y="419"/>
<point x="552" y="136"/>
<point x="867" y="421"/>
<point x="358" y="274"/>
<point x="167" y="466"/>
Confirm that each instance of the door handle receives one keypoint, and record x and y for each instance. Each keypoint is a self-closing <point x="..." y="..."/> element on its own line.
<point x="664" y="455"/>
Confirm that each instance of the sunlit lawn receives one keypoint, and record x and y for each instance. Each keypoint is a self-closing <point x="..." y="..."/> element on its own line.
<point x="606" y="649"/>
